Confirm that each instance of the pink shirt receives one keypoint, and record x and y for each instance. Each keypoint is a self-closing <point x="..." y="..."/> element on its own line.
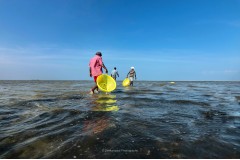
<point x="96" y="65"/>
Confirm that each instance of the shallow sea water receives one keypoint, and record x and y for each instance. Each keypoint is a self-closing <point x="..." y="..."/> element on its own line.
<point x="156" y="119"/>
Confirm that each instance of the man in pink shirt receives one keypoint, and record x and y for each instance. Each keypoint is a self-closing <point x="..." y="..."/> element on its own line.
<point x="95" y="68"/>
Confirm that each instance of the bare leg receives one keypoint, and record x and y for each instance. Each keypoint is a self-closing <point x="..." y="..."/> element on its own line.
<point x="95" y="87"/>
<point x="131" y="83"/>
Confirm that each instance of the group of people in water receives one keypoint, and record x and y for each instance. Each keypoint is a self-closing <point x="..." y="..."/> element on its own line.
<point x="95" y="69"/>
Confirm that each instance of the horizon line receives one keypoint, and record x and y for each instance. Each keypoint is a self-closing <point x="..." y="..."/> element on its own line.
<point x="123" y="79"/>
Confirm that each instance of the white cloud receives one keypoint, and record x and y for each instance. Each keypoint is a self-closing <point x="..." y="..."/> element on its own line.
<point x="33" y="55"/>
<point x="52" y="62"/>
<point x="231" y="23"/>
<point x="229" y="71"/>
<point x="226" y="71"/>
<point x="234" y="23"/>
<point x="42" y="63"/>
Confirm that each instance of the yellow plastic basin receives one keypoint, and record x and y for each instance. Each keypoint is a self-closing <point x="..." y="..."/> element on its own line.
<point x="126" y="82"/>
<point x="106" y="83"/>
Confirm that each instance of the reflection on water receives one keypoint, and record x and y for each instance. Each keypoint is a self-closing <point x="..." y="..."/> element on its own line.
<point x="105" y="102"/>
<point x="59" y="119"/>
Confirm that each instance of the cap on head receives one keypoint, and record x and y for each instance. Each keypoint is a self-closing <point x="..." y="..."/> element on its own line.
<point x="99" y="53"/>
<point x="115" y="68"/>
<point x="132" y="67"/>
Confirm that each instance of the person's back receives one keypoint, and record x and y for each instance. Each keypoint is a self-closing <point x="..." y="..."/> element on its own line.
<point x="114" y="73"/>
<point x="96" y="65"/>
<point x="132" y="74"/>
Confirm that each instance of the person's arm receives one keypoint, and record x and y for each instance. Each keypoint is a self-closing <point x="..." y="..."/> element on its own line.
<point x="135" y="75"/>
<point x="90" y="71"/>
<point x="128" y="74"/>
<point x="117" y="74"/>
<point x="104" y="67"/>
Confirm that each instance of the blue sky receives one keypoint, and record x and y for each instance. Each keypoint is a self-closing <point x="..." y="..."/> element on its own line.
<point x="163" y="39"/>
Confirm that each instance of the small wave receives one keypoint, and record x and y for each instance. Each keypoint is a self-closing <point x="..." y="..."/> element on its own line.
<point x="238" y="98"/>
<point x="207" y="95"/>
<point x="72" y="97"/>
<point x="190" y="102"/>
<point x="221" y="115"/>
<point x="192" y="86"/>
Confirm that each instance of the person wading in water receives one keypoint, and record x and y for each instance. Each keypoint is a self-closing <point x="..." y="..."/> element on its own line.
<point x="131" y="74"/>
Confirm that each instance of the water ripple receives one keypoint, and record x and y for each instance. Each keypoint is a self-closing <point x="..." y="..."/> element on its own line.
<point x="59" y="119"/>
